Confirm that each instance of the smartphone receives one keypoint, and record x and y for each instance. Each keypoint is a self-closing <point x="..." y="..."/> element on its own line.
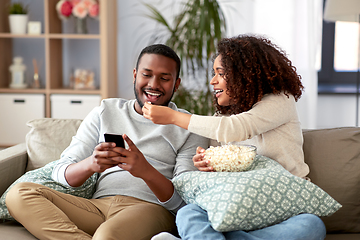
<point x="118" y="139"/>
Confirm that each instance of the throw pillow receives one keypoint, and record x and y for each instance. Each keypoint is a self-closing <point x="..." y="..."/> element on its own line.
<point x="334" y="159"/>
<point x="265" y="195"/>
<point x="43" y="176"/>
<point x="47" y="139"/>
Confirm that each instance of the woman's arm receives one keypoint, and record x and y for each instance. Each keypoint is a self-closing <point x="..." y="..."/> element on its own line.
<point x="268" y="114"/>
<point x="165" y="115"/>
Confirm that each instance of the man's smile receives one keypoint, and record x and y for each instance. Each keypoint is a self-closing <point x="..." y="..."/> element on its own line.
<point x="152" y="95"/>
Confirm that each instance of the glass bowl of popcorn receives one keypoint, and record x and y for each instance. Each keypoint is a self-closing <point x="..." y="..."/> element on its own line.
<point x="230" y="157"/>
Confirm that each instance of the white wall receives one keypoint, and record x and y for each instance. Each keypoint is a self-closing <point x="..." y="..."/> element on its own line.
<point x="134" y="32"/>
<point x="336" y="110"/>
<point x="135" y="29"/>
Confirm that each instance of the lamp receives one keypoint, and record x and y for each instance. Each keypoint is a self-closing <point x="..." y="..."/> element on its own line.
<point x="348" y="11"/>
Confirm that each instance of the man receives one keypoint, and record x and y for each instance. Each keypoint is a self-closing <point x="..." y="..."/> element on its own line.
<point x="134" y="196"/>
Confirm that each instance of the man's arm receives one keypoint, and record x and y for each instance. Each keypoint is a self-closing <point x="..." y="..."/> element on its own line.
<point x="103" y="157"/>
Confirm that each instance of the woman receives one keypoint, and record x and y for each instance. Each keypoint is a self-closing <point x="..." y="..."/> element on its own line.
<point x="255" y="90"/>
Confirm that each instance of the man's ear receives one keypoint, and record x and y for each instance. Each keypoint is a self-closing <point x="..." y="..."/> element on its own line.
<point x="134" y="75"/>
<point x="177" y="84"/>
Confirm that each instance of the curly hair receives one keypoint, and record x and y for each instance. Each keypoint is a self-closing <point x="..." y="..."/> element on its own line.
<point x="254" y="66"/>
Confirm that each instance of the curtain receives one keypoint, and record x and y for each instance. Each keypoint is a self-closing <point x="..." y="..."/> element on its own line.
<point x="296" y="27"/>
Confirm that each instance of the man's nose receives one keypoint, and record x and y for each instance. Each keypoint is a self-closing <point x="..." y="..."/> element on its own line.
<point x="153" y="82"/>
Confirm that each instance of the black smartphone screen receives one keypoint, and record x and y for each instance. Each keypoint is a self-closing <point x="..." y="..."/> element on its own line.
<point x="118" y="139"/>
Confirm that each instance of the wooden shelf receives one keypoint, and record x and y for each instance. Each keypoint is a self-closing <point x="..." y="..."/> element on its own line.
<point x="52" y="36"/>
<point x="25" y="90"/>
<point x="74" y="36"/>
<point x="10" y="35"/>
<point x="75" y="91"/>
<point x="54" y="53"/>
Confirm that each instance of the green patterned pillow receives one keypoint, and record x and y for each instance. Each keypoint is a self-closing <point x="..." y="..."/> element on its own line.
<point x="265" y="195"/>
<point x="43" y="176"/>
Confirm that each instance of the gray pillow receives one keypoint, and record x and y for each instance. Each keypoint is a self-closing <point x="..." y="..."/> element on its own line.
<point x="265" y="195"/>
<point x="43" y="176"/>
<point x="333" y="156"/>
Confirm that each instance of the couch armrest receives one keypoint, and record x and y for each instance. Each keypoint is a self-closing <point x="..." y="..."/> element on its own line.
<point x="13" y="162"/>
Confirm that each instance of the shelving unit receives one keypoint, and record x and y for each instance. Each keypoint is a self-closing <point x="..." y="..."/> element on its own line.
<point x="53" y="38"/>
<point x="55" y="55"/>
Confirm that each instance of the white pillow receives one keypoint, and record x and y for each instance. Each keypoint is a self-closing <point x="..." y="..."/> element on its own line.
<point x="47" y="139"/>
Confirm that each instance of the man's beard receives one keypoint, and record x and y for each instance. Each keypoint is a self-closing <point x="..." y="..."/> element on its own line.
<point x="142" y="103"/>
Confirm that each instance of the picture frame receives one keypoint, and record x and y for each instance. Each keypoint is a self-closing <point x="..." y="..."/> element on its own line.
<point x="34" y="28"/>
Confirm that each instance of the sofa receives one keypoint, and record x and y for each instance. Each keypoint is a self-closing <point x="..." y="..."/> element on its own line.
<point x="333" y="156"/>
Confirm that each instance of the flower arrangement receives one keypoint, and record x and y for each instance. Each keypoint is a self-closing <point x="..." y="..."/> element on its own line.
<point x="78" y="8"/>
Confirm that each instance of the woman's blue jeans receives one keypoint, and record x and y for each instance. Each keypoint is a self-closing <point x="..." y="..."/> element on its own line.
<point x="193" y="224"/>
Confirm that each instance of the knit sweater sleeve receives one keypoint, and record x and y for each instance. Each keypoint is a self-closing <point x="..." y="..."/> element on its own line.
<point x="271" y="112"/>
<point x="81" y="147"/>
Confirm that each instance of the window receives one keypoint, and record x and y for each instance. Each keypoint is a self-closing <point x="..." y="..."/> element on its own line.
<point x="346" y="46"/>
<point x="339" y="65"/>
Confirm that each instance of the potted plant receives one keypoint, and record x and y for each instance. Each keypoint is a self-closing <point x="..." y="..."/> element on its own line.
<point x="18" y="18"/>
<point x="193" y="35"/>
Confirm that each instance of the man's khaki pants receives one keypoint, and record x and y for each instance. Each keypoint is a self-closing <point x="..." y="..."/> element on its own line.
<point x="49" y="214"/>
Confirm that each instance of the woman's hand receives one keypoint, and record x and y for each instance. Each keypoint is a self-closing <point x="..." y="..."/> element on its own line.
<point x="158" y="114"/>
<point x="165" y="115"/>
<point x="200" y="163"/>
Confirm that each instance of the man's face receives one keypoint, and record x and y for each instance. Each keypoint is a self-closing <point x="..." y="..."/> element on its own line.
<point x="155" y="80"/>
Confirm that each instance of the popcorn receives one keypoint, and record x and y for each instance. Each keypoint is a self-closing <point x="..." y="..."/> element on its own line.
<point x="230" y="158"/>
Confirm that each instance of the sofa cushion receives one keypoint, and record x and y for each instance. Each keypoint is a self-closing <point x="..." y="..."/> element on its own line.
<point x="12" y="230"/>
<point x="47" y="139"/>
<point x="333" y="156"/>
<point x="43" y="176"/>
<point x="265" y="195"/>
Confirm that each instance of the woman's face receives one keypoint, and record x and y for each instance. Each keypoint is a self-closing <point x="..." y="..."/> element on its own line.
<point x="219" y="83"/>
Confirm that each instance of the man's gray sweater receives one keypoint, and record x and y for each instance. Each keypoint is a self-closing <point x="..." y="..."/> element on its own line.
<point x="166" y="147"/>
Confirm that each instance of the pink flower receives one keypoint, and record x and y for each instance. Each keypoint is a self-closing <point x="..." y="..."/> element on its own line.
<point x="64" y="8"/>
<point x="80" y="10"/>
<point x="94" y="10"/>
<point x="88" y="3"/>
<point x="75" y="2"/>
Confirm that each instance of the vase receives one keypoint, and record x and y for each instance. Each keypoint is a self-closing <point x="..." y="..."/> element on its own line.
<point x="18" y="23"/>
<point x="80" y="26"/>
<point x="17" y="70"/>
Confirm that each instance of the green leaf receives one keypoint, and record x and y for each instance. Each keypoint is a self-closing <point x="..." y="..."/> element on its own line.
<point x="18" y="8"/>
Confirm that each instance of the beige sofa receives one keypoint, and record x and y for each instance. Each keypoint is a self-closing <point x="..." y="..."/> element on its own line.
<point x="332" y="154"/>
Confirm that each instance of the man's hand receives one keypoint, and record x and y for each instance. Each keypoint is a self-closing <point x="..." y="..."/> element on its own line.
<point x="132" y="160"/>
<point x="200" y="163"/>
<point x="106" y="155"/>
